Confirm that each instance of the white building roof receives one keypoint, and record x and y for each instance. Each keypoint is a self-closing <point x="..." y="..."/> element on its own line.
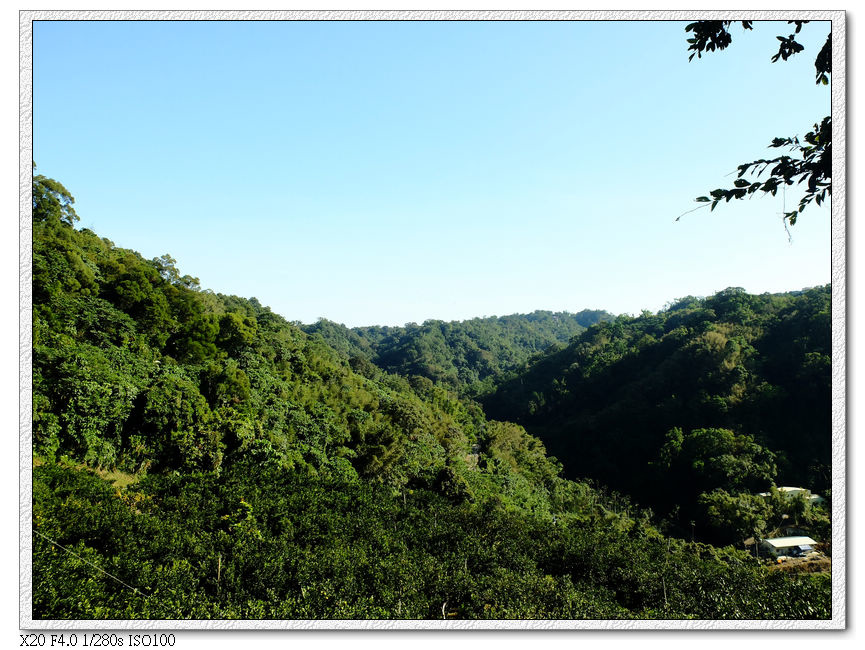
<point x="787" y="490"/>
<point x="784" y="542"/>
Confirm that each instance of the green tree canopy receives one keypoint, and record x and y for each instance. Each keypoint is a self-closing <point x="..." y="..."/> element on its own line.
<point x="718" y="459"/>
<point x="52" y="201"/>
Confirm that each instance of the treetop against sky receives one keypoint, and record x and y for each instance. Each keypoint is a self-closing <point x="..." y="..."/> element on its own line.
<point x="387" y="172"/>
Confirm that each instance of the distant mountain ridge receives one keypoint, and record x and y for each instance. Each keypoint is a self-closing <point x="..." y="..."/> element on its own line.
<point x="470" y="353"/>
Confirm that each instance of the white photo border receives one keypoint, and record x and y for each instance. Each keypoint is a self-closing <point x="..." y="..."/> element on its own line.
<point x="839" y="321"/>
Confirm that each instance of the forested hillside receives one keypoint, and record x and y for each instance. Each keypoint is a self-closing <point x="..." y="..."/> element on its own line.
<point x="693" y="409"/>
<point x="215" y="461"/>
<point x="466" y="355"/>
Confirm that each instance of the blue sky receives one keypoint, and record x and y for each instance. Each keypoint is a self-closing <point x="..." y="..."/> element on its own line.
<point x="388" y="172"/>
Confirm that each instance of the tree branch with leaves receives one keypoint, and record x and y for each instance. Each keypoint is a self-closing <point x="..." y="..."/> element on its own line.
<point x="809" y="159"/>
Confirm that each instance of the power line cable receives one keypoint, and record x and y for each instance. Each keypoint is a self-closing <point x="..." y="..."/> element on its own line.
<point x="113" y="577"/>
